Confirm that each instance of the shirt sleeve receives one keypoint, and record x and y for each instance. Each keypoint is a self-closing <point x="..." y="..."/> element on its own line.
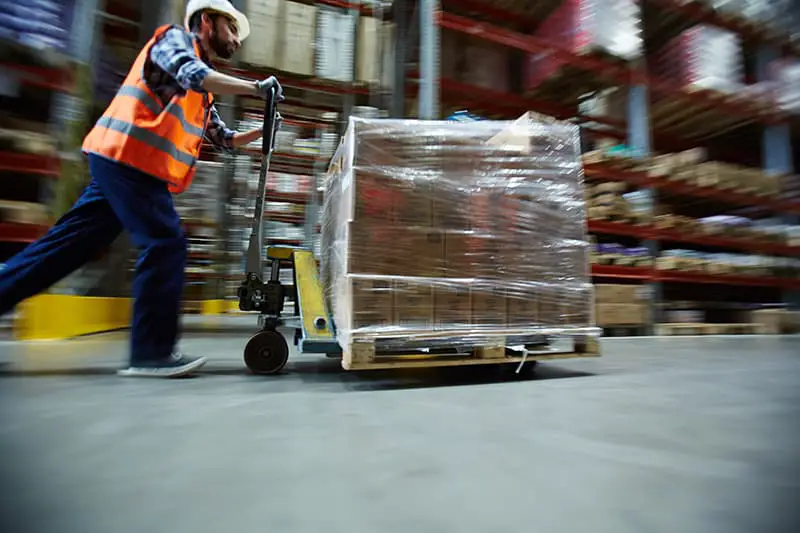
<point x="218" y="133"/>
<point x="174" y="53"/>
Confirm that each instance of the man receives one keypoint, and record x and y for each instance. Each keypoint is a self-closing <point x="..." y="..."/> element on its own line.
<point x="143" y="148"/>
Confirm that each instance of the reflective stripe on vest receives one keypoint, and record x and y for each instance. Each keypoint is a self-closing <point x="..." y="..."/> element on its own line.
<point x="155" y="107"/>
<point x="148" y="137"/>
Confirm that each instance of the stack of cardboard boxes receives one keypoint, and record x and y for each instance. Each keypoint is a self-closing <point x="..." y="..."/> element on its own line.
<point x="430" y="228"/>
<point x="621" y="305"/>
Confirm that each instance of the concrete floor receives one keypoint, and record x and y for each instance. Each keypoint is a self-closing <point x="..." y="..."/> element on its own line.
<point x="659" y="435"/>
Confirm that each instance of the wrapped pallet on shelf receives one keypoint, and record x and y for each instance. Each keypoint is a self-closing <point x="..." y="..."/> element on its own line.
<point x="702" y="57"/>
<point x="446" y="234"/>
<point x="786" y="73"/>
<point x="610" y="28"/>
<point x="336" y="32"/>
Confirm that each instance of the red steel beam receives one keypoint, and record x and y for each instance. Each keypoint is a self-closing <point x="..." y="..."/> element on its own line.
<point x="674" y="276"/>
<point x="533" y="45"/>
<point x="486" y="9"/>
<point x="23" y="233"/>
<point x="44" y="165"/>
<point x="622" y="272"/>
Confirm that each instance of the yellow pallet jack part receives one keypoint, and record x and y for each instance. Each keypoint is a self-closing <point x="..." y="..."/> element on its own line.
<point x="316" y="323"/>
<point x="279" y="252"/>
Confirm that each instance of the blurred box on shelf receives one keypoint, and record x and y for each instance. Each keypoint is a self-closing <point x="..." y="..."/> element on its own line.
<point x="335" y="44"/>
<point x="266" y="24"/>
<point x="452" y="55"/>
<point x="394" y="191"/>
<point x="486" y="65"/>
<point x="375" y="52"/>
<point x="776" y="321"/>
<point x="621" y="314"/>
<point x="609" y="293"/>
<point x="299" y="31"/>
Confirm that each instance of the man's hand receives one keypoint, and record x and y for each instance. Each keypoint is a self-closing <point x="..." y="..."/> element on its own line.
<point x="263" y="88"/>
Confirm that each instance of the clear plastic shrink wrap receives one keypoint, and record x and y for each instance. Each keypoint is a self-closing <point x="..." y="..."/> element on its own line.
<point x="444" y="233"/>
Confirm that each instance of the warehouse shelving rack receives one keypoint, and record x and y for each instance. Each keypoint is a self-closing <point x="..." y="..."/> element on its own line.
<point x="658" y="112"/>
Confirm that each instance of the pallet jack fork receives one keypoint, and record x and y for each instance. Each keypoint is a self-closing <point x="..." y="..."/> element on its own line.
<point x="267" y="351"/>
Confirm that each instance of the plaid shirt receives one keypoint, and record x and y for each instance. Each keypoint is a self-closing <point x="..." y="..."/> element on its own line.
<point x="173" y="68"/>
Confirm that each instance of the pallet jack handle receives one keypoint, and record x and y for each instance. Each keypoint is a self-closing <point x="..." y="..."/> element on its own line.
<point x="254" y="265"/>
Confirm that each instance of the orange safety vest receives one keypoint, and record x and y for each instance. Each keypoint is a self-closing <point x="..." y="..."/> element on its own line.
<point x="139" y="131"/>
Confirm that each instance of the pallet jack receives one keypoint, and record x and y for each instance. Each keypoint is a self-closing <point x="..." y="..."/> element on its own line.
<point x="267" y="351"/>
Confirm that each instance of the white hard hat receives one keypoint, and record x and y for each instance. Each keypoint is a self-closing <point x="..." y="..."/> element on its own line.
<point x="223" y="7"/>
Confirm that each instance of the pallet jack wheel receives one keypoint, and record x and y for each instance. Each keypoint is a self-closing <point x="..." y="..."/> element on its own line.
<point x="266" y="352"/>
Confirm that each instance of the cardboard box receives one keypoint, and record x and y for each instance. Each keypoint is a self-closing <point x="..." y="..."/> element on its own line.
<point x="263" y="45"/>
<point x="413" y="203"/>
<point x="522" y="309"/>
<point x="576" y="307"/>
<point x="420" y="252"/>
<point x="369" y="50"/>
<point x="413" y="305"/>
<point x="486" y="64"/>
<point x="297" y="55"/>
<point x="387" y="59"/>
<point x="450" y="210"/>
<point x="777" y="321"/>
<point x="368" y="252"/>
<point x="372" y="303"/>
<point x="467" y="255"/>
<point x="489" y="307"/>
<point x="621" y="314"/>
<point x="452" y="306"/>
<point x="374" y="198"/>
<point x="619" y="294"/>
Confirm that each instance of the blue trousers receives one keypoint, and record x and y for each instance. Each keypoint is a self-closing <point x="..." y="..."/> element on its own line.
<point x="118" y="197"/>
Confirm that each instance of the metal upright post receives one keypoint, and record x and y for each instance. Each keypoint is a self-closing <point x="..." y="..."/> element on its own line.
<point x="401" y="31"/>
<point x="776" y="153"/>
<point x="429" y="60"/>
<point x="639" y="142"/>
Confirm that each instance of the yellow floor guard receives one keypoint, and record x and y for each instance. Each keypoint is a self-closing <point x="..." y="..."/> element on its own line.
<point x="62" y="316"/>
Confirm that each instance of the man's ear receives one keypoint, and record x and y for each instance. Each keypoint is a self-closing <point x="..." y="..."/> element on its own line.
<point x="205" y="18"/>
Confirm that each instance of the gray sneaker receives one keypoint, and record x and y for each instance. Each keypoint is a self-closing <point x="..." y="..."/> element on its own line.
<point x="178" y="365"/>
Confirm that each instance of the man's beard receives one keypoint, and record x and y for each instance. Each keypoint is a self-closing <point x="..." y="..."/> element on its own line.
<point x="221" y="49"/>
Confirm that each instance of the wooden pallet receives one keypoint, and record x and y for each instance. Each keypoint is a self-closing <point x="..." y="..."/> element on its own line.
<point x="363" y="355"/>
<point x="709" y="329"/>
<point x="684" y="114"/>
<point x="624" y="331"/>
